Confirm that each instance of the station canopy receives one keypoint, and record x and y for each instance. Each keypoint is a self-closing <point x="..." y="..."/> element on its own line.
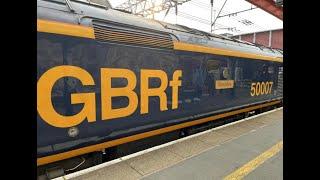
<point x="236" y="17"/>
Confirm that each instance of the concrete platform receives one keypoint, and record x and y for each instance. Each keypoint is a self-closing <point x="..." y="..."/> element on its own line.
<point x="214" y="154"/>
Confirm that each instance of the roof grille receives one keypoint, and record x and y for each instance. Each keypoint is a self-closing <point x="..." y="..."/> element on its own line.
<point x="133" y="36"/>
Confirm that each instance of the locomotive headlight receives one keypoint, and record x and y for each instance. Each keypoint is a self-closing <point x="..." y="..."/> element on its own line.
<point x="73" y="131"/>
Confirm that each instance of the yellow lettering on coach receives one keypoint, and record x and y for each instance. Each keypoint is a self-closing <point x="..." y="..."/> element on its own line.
<point x="44" y="104"/>
<point x="146" y="92"/>
<point x="46" y="82"/>
<point x="107" y="92"/>
<point x="175" y="83"/>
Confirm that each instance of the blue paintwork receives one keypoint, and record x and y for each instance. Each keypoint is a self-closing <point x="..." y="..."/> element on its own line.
<point x="197" y="86"/>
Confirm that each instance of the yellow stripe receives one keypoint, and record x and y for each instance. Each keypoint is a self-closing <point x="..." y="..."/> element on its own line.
<point x="211" y="50"/>
<point x="250" y="166"/>
<point x="99" y="147"/>
<point x="64" y="28"/>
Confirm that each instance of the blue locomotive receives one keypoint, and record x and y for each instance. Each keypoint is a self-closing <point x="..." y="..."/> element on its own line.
<point x="107" y="78"/>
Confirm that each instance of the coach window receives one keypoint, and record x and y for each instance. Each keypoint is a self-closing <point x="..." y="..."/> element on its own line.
<point x="221" y="69"/>
<point x="271" y="73"/>
<point x="248" y="68"/>
<point x="261" y="73"/>
<point x="194" y="72"/>
<point x="228" y="70"/>
<point x="214" y="73"/>
<point x="238" y="74"/>
<point x="213" y="69"/>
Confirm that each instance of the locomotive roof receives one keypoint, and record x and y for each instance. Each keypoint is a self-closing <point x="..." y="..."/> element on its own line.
<point x="83" y="13"/>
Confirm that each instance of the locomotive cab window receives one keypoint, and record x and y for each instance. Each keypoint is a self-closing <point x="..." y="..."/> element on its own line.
<point x="220" y="75"/>
<point x="213" y="68"/>
<point x="220" y="69"/>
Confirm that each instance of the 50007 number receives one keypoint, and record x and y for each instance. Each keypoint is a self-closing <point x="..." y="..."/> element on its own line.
<point x="261" y="88"/>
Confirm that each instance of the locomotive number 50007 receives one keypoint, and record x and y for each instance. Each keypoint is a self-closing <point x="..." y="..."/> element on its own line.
<point x="261" y="88"/>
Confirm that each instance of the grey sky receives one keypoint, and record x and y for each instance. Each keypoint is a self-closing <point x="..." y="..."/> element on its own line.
<point x="196" y="14"/>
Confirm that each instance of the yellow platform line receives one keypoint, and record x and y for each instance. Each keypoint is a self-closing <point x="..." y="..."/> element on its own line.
<point x="253" y="164"/>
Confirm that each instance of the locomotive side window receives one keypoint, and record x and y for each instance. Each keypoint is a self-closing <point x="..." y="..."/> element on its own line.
<point x="213" y="69"/>
<point x="194" y="81"/>
<point x="238" y="74"/>
<point x="247" y="69"/>
<point x="227" y="70"/>
<point x="220" y="75"/>
<point x="194" y="71"/>
<point x="220" y="69"/>
<point x="214" y="74"/>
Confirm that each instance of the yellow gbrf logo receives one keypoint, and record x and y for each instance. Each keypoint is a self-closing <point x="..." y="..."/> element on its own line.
<point x="47" y="80"/>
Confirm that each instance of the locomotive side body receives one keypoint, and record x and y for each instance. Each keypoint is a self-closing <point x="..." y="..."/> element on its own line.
<point x="192" y="85"/>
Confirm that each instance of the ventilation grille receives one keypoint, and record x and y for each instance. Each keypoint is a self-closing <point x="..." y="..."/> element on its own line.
<point x="280" y="81"/>
<point x="132" y="36"/>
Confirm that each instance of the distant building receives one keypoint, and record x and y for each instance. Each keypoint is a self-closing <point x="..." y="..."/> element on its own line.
<point x="272" y="38"/>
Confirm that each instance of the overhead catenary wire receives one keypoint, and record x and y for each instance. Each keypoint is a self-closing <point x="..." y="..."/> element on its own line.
<point x="238" y="19"/>
<point x="243" y="24"/>
<point x="201" y="20"/>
